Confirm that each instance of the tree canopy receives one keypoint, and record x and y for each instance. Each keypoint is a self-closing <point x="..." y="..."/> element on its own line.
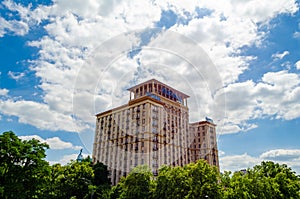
<point x="24" y="173"/>
<point x="268" y="180"/>
<point x="22" y="166"/>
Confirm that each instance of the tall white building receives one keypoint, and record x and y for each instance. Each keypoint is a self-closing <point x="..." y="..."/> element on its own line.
<point x="153" y="129"/>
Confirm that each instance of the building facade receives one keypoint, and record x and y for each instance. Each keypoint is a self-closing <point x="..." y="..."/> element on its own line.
<point x="204" y="145"/>
<point x="153" y="129"/>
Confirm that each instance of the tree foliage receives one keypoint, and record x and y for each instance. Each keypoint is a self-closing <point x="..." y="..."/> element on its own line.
<point x="72" y="180"/>
<point x="137" y="184"/>
<point x="24" y="173"/>
<point x="195" y="180"/>
<point x="199" y="180"/>
<point x="269" y="180"/>
<point x="78" y="180"/>
<point x="101" y="181"/>
<point x="22" y="166"/>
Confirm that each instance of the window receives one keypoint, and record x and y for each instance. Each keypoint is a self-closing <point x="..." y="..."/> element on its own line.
<point x="154" y="123"/>
<point x="154" y="130"/>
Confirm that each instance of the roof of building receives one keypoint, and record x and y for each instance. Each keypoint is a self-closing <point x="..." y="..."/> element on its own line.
<point x="202" y="122"/>
<point x="158" y="82"/>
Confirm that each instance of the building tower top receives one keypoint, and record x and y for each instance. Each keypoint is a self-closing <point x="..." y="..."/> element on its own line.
<point x="157" y="89"/>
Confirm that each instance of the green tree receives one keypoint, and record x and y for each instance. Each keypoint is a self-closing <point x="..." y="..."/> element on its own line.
<point x="195" y="180"/>
<point x="284" y="182"/>
<point x="203" y="180"/>
<point x="266" y="181"/>
<point x="101" y="180"/>
<point x="22" y="167"/>
<point x="72" y="180"/>
<point x="138" y="184"/>
<point x="171" y="183"/>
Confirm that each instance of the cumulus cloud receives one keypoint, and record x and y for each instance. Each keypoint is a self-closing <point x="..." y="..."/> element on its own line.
<point x="29" y="18"/>
<point x="3" y="92"/>
<point x="40" y="115"/>
<point x="296" y="35"/>
<point x="275" y="96"/>
<point x="278" y="55"/>
<point x="66" y="159"/>
<point x="298" y="65"/>
<point x="286" y="154"/>
<point x="15" y="75"/>
<point x="54" y="143"/>
<point x="237" y="162"/>
<point x="289" y="157"/>
<point x="221" y="153"/>
<point x="81" y="72"/>
<point x="231" y="26"/>
<point x="17" y="27"/>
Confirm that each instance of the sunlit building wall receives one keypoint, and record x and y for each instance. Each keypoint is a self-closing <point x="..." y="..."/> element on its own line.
<point x="153" y="129"/>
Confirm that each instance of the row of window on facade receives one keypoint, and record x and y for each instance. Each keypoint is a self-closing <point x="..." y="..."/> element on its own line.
<point x="174" y="122"/>
<point x="117" y="135"/>
<point x="134" y="161"/>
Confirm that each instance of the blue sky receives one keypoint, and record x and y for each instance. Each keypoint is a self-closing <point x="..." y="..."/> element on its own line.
<point x="62" y="62"/>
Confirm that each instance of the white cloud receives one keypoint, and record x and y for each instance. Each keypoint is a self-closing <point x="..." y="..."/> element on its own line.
<point x="232" y="26"/>
<point x="276" y="96"/>
<point x="17" y="27"/>
<point x="54" y="143"/>
<point x="280" y="55"/>
<point x="287" y="154"/>
<point x="290" y="157"/>
<point x="29" y="18"/>
<point x="3" y="92"/>
<point x="237" y="162"/>
<point x="15" y="75"/>
<point x="298" y="65"/>
<point x="279" y="95"/>
<point x="258" y="11"/>
<point x="66" y="159"/>
<point x="296" y="35"/>
<point x="40" y="115"/>
<point x="221" y="153"/>
<point x="75" y="79"/>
